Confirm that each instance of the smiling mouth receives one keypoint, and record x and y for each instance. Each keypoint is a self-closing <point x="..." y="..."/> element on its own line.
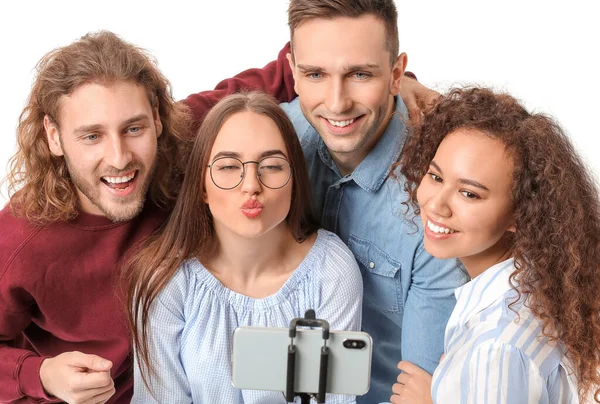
<point x="119" y="182"/>
<point x="439" y="229"/>
<point x="341" y="124"/>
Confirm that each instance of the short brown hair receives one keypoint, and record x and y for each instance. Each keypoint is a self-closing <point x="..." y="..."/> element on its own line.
<point x="384" y="10"/>
<point x="38" y="181"/>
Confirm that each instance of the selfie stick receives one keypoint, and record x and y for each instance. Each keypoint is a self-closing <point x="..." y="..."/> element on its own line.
<point x="309" y="320"/>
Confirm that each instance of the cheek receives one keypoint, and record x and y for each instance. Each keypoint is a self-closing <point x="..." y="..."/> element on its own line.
<point x="373" y="95"/>
<point x="311" y="94"/>
<point x="422" y="192"/>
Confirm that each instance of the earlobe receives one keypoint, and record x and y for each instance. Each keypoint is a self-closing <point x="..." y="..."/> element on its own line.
<point x="52" y="136"/>
<point x="290" y="59"/>
<point x="397" y="73"/>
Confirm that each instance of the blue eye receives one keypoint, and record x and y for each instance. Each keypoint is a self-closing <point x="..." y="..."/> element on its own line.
<point x="362" y="75"/>
<point x="134" y="129"/>
<point x="314" y="75"/>
<point x="91" y="137"/>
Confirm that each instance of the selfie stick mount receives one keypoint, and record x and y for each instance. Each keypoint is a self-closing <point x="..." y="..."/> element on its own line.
<point x="309" y="320"/>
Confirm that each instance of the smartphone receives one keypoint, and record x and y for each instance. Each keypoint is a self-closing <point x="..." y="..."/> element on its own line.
<point x="259" y="360"/>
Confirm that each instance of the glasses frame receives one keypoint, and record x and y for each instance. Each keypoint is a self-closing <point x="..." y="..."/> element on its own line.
<point x="243" y="163"/>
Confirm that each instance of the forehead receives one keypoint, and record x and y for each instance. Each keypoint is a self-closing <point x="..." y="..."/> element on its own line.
<point x="102" y="104"/>
<point x="248" y="134"/>
<point x="340" y="41"/>
<point x="474" y="155"/>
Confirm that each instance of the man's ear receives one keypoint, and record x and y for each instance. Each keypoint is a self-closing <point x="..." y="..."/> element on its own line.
<point x="157" y="122"/>
<point x="290" y="59"/>
<point x="52" y="135"/>
<point x="397" y="72"/>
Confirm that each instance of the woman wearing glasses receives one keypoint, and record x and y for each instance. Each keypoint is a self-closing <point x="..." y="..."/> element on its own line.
<point x="241" y="248"/>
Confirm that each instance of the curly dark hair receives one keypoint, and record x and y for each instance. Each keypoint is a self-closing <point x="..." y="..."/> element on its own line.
<point x="557" y="208"/>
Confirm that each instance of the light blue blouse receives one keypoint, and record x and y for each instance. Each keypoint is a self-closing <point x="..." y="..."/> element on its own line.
<point x="191" y="324"/>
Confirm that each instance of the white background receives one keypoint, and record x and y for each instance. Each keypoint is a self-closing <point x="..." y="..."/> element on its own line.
<point x="543" y="52"/>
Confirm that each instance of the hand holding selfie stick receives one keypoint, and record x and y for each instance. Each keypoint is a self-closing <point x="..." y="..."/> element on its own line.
<point x="309" y="320"/>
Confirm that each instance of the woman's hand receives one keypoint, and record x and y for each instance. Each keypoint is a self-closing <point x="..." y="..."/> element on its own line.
<point x="417" y="98"/>
<point x="413" y="387"/>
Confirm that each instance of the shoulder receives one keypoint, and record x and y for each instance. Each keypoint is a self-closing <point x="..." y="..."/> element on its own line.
<point x="15" y="238"/>
<point x="516" y="330"/>
<point x="304" y="129"/>
<point x="180" y="286"/>
<point x="337" y="263"/>
<point x="333" y="248"/>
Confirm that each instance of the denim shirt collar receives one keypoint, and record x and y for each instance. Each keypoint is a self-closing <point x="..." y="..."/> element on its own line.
<point x="375" y="168"/>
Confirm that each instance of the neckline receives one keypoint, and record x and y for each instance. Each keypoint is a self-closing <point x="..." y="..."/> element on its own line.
<point x="289" y="286"/>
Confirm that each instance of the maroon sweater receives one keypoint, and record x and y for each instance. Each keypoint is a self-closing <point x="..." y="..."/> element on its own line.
<point x="58" y="282"/>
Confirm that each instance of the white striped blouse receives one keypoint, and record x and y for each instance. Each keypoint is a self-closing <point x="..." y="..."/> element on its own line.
<point x="494" y="356"/>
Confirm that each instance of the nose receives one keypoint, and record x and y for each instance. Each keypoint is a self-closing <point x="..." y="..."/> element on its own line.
<point x="118" y="154"/>
<point x="338" y="99"/>
<point x="439" y="203"/>
<point x="250" y="183"/>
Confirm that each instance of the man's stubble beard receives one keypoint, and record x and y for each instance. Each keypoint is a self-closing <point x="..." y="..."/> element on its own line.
<point x="93" y="194"/>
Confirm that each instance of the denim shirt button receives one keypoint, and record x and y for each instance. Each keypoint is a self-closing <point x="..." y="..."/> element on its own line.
<point x="371" y="265"/>
<point x="337" y="186"/>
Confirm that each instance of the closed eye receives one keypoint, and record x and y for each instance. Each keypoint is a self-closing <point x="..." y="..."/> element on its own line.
<point x="272" y="168"/>
<point x="227" y="168"/>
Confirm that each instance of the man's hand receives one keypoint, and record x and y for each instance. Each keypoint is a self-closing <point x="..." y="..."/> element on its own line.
<point x="417" y="98"/>
<point x="77" y="378"/>
<point x="413" y="387"/>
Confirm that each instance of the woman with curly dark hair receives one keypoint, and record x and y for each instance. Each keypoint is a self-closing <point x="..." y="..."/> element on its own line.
<point x="505" y="192"/>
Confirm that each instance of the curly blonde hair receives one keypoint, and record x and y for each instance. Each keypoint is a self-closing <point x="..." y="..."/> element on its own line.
<point x="39" y="185"/>
<point x="557" y="208"/>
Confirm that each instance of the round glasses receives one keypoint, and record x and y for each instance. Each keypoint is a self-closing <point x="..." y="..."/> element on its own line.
<point x="272" y="172"/>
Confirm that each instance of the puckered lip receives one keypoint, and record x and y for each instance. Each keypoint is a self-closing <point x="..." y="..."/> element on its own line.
<point x="252" y="204"/>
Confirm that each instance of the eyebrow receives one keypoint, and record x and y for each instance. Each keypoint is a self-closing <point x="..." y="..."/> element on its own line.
<point x="96" y="127"/>
<point x="348" y="68"/>
<point x="462" y="180"/>
<point x="237" y="155"/>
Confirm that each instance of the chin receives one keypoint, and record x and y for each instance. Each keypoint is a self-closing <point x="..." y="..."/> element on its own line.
<point x="124" y="213"/>
<point x="440" y="253"/>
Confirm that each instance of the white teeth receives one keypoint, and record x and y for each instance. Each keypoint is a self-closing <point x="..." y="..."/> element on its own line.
<point x="341" y="124"/>
<point x="119" y="180"/>
<point x="440" y="230"/>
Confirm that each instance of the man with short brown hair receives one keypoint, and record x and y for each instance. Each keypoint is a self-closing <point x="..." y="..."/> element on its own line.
<point x="348" y="73"/>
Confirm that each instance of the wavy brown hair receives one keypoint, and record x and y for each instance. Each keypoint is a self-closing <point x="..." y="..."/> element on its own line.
<point x="39" y="185"/>
<point x="189" y="230"/>
<point x="556" y="203"/>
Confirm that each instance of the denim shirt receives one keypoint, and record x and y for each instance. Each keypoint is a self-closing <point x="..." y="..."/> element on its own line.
<point x="408" y="294"/>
